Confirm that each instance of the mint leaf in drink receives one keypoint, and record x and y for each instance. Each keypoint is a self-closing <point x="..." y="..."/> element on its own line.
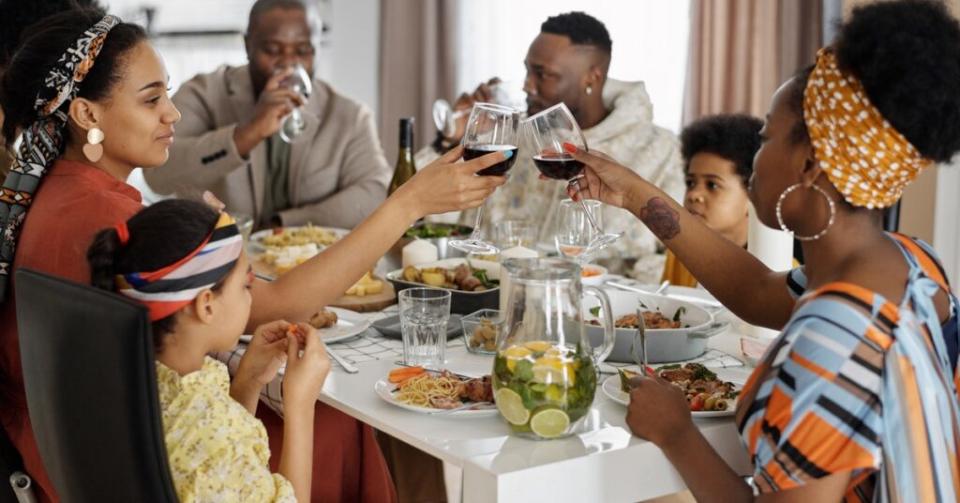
<point x="523" y="371"/>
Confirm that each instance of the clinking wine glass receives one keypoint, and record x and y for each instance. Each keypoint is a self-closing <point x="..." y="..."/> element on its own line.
<point x="294" y="124"/>
<point x="490" y="128"/>
<point x="548" y="131"/>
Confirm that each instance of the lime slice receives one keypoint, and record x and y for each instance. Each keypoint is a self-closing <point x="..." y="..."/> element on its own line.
<point x="550" y="423"/>
<point x="511" y="406"/>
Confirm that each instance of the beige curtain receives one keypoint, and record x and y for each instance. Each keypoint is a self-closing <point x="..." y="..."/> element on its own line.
<point x="742" y="50"/>
<point x="417" y="51"/>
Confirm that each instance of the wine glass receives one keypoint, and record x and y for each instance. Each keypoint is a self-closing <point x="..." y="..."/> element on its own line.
<point x="508" y="94"/>
<point x="294" y="124"/>
<point x="574" y="232"/>
<point x="490" y="128"/>
<point x="548" y="131"/>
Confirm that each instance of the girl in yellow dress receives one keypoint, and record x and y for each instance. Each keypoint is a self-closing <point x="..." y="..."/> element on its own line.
<point x="185" y="263"/>
<point x="718" y="161"/>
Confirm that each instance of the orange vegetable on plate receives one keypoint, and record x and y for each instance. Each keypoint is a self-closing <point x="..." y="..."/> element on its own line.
<point x="589" y="272"/>
<point x="398" y="375"/>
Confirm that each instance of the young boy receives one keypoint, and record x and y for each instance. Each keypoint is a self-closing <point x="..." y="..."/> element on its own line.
<point x="718" y="160"/>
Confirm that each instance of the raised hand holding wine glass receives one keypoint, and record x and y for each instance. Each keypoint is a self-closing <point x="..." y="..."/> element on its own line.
<point x="490" y="128"/>
<point x="549" y="130"/>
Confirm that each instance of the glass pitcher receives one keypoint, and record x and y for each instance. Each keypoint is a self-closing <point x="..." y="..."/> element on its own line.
<point x="545" y="372"/>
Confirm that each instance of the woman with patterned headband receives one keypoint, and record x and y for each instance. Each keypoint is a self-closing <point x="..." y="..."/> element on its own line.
<point x="856" y="400"/>
<point x="88" y="95"/>
<point x="185" y="263"/>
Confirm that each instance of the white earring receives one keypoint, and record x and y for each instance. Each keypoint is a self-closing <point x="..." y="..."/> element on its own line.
<point x="783" y="226"/>
<point x="93" y="150"/>
<point x="589" y="90"/>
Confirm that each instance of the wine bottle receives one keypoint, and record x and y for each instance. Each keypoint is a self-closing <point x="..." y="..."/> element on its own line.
<point x="405" y="168"/>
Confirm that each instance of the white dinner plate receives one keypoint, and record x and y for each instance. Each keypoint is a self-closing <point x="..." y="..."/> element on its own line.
<point x="385" y="389"/>
<point x="349" y="325"/>
<point x="611" y="388"/>
<point x="255" y="244"/>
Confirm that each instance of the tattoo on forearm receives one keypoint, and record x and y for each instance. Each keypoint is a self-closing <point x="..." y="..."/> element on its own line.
<point x="662" y="220"/>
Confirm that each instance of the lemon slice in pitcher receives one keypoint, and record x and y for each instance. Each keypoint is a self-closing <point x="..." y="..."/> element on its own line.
<point x="511" y="406"/>
<point x="550" y="423"/>
<point x="538" y="346"/>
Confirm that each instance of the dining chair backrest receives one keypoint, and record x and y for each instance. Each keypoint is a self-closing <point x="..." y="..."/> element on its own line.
<point x="10" y="463"/>
<point x="90" y="378"/>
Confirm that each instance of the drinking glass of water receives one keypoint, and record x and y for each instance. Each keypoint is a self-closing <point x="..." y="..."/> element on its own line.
<point x="423" y="321"/>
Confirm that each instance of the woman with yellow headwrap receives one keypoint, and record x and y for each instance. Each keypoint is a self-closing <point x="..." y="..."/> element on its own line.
<point x="857" y="399"/>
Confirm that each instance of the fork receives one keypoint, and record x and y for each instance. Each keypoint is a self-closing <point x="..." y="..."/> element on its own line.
<point x="466" y="406"/>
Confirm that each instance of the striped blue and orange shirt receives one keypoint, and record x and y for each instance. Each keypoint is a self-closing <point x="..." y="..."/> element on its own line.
<point x="858" y="384"/>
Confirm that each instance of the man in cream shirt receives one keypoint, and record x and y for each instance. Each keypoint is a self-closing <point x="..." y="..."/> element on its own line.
<point x="568" y="63"/>
<point x="334" y="174"/>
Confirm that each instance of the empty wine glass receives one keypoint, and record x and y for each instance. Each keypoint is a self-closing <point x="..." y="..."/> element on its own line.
<point x="490" y="128"/>
<point x="574" y="231"/>
<point x="294" y="124"/>
<point x="548" y="131"/>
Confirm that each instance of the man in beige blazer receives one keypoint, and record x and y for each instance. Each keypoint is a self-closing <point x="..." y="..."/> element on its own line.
<point x="334" y="174"/>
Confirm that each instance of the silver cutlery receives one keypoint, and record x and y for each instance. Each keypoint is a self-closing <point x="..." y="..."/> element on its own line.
<point x="466" y="406"/>
<point x="342" y="361"/>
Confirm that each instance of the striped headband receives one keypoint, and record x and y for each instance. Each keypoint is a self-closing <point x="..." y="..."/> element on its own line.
<point x="863" y="156"/>
<point x="166" y="290"/>
<point x="43" y="140"/>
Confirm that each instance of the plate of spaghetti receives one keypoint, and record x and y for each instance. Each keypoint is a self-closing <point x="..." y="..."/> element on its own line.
<point x="431" y="392"/>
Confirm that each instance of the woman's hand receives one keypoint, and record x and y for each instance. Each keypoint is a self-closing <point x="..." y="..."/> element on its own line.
<point x="658" y="411"/>
<point x="447" y="185"/>
<point x="306" y="373"/>
<point x="604" y="179"/>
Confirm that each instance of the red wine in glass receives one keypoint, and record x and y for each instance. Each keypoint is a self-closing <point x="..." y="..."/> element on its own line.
<point x="558" y="166"/>
<point x="498" y="169"/>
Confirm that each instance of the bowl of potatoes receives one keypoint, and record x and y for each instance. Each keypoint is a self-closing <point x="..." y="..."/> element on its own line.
<point x="473" y="284"/>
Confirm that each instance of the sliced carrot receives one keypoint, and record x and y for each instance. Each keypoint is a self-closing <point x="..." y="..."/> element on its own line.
<point x="401" y="374"/>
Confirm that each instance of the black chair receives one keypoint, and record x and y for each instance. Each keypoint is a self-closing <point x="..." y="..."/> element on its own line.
<point x="88" y="365"/>
<point x="10" y="464"/>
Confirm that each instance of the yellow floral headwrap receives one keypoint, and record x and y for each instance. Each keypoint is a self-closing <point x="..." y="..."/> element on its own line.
<point x="864" y="157"/>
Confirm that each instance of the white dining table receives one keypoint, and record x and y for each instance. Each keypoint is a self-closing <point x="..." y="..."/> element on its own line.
<point x="601" y="462"/>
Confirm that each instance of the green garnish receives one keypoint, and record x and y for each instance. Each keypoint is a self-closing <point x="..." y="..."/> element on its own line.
<point x="595" y="311"/>
<point x="430" y="231"/>
<point x="680" y="312"/>
<point x="481" y="274"/>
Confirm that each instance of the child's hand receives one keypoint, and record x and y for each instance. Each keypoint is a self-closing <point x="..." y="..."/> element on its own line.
<point x="305" y="373"/>
<point x="265" y="354"/>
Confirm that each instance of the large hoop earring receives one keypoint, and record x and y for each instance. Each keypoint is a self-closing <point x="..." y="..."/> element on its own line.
<point x="783" y="226"/>
<point x="93" y="150"/>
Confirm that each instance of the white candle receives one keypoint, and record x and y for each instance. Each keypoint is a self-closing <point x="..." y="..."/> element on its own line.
<point x="515" y="252"/>
<point x="775" y="249"/>
<point x="419" y="252"/>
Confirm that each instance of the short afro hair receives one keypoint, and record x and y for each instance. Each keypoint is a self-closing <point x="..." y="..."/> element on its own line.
<point x="906" y="53"/>
<point x="736" y="138"/>
<point x="17" y="15"/>
<point x="580" y="28"/>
